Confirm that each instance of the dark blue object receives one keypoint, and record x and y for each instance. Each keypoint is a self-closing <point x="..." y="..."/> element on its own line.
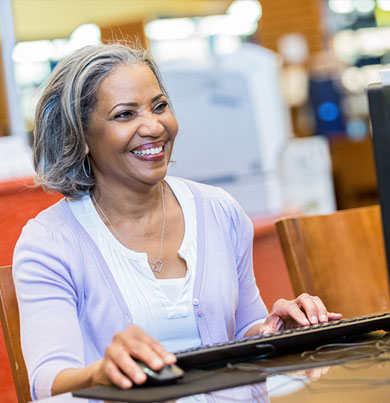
<point x="326" y="103"/>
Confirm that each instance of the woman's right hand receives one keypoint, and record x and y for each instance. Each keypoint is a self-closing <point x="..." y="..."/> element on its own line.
<point x="119" y="366"/>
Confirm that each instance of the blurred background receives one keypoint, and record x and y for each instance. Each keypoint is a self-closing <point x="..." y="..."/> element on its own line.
<point x="270" y="95"/>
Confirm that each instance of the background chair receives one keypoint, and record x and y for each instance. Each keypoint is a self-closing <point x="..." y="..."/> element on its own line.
<point x="19" y="201"/>
<point x="9" y="317"/>
<point x="340" y="257"/>
<point x="354" y="174"/>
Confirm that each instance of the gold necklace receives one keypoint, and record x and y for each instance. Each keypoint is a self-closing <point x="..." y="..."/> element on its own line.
<point x="157" y="265"/>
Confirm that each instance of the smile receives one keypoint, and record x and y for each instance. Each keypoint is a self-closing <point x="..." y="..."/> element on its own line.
<point x="149" y="151"/>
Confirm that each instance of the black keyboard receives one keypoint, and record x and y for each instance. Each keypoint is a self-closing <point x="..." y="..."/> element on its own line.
<point x="301" y="338"/>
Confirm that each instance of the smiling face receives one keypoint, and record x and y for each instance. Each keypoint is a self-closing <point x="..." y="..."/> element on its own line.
<point x="132" y="129"/>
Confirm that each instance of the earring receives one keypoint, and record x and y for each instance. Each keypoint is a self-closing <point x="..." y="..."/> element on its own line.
<point x="88" y="171"/>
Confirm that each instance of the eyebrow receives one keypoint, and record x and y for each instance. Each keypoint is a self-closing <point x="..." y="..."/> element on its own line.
<point x="135" y="103"/>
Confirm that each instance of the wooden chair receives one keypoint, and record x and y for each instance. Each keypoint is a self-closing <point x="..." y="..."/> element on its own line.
<point x="19" y="201"/>
<point x="9" y="317"/>
<point x="340" y="257"/>
<point x="354" y="174"/>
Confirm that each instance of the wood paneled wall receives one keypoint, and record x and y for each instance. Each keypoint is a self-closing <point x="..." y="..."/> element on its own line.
<point x="132" y="31"/>
<point x="281" y="17"/>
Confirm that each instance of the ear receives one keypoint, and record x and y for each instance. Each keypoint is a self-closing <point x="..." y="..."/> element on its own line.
<point x="86" y="149"/>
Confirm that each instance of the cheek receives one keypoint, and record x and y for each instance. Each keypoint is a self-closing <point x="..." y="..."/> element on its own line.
<point x="174" y="126"/>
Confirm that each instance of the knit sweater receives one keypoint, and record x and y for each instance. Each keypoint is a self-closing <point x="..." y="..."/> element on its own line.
<point x="70" y="305"/>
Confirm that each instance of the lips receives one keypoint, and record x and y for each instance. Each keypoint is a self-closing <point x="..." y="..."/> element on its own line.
<point x="151" y="151"/>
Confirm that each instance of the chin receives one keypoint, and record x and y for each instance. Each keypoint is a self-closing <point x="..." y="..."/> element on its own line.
<point x="155" y="179"/>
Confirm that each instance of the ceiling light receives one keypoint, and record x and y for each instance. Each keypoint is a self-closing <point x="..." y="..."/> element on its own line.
<point x="384" y="5"/>
<point x="170" y="29"/>
<point x="365" y="6"/>
<point x="32" y="51"/>
<point x="341" y="6"/>
<point x="249" y="10"/>
<point x="226" y="25"/>
<point x="83" y="35"/>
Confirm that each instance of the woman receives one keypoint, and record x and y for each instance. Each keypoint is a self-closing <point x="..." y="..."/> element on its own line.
<point x="130" y="256"/>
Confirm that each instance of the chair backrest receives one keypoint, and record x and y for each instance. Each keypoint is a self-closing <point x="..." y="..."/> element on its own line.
<point x="354" y="173"/>
<point x="9" y="317"/>
<point x="19" y="201"/>
<point x="340" y="257"/>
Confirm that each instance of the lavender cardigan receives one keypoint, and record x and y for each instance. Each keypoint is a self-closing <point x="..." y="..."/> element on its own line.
<point x="70" y="306"/>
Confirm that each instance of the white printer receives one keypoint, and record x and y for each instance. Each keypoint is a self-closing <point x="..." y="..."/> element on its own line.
<point x="232" y="124"/>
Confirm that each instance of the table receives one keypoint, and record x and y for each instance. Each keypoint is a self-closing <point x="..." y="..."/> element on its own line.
<point x="358" y="372"/>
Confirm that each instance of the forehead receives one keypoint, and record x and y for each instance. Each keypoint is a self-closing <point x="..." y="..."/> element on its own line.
<point x="127" y="81"/>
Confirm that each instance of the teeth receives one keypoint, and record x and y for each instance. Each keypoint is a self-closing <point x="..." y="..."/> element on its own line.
<point x="152" y="151"/>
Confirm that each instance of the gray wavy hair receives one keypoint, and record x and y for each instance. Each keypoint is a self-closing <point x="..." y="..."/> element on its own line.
<point x="63" y="113"/>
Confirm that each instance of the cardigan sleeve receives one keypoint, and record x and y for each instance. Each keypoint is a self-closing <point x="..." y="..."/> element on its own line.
<point x="48" y="302"/>
<point x="251" y="309"/>
<point x="231" y="309"/>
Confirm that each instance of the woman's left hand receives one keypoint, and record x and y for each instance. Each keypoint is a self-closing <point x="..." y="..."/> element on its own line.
<point x="302" y="311"/>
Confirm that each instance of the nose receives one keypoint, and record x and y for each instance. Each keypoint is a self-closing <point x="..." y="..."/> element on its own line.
<point x="150" y="126"/>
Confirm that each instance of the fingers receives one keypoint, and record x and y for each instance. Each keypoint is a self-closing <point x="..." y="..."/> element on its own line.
<point x="287" y="310"/>
<point x="133" y="343"/>
<point x="143" y="347"/>
<point x="120" y="365"/>
<point x="294" y="312"/>
<point x="304" y="310"/>
<point x="167" y="357"/>
<point x="334" y="316"/>
<point x="313" y="308"/>
<point x="272" y="324"/>
<point x="312" y="374"/>
<point x="116" y="375"/>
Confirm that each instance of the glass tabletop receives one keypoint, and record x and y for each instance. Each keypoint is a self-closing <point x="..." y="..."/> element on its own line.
<point x="348" y="372"/>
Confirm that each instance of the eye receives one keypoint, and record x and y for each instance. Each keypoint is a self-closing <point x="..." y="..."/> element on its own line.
<point x="124" y="114"/>
<point x="160" y="107"/>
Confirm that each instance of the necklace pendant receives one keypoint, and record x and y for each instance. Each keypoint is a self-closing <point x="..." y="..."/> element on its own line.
<point x="157" y="266"/>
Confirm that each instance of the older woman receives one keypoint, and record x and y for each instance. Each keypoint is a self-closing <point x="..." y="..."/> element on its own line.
<point x="131" y="264"/>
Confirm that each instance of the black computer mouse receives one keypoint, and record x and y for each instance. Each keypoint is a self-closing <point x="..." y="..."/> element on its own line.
<point x="167" y="373"/>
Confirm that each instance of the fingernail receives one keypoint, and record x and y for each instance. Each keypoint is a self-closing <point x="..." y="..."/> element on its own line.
<point x="157" y="363"/>
<point x="266" y="330"/>
<point x="171" y="357"/>
<point x="314" y="319"/>
<point x="139" y="377"/>
<point x="126" y="383"/>
<point x="323" y="318"/>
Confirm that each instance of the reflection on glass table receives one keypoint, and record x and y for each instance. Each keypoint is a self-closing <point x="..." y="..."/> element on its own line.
<point x="356" y="372"/>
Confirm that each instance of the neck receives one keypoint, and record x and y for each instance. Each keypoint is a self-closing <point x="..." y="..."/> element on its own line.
<point x="156" y="265"/>
<point x="129" y="204"/>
